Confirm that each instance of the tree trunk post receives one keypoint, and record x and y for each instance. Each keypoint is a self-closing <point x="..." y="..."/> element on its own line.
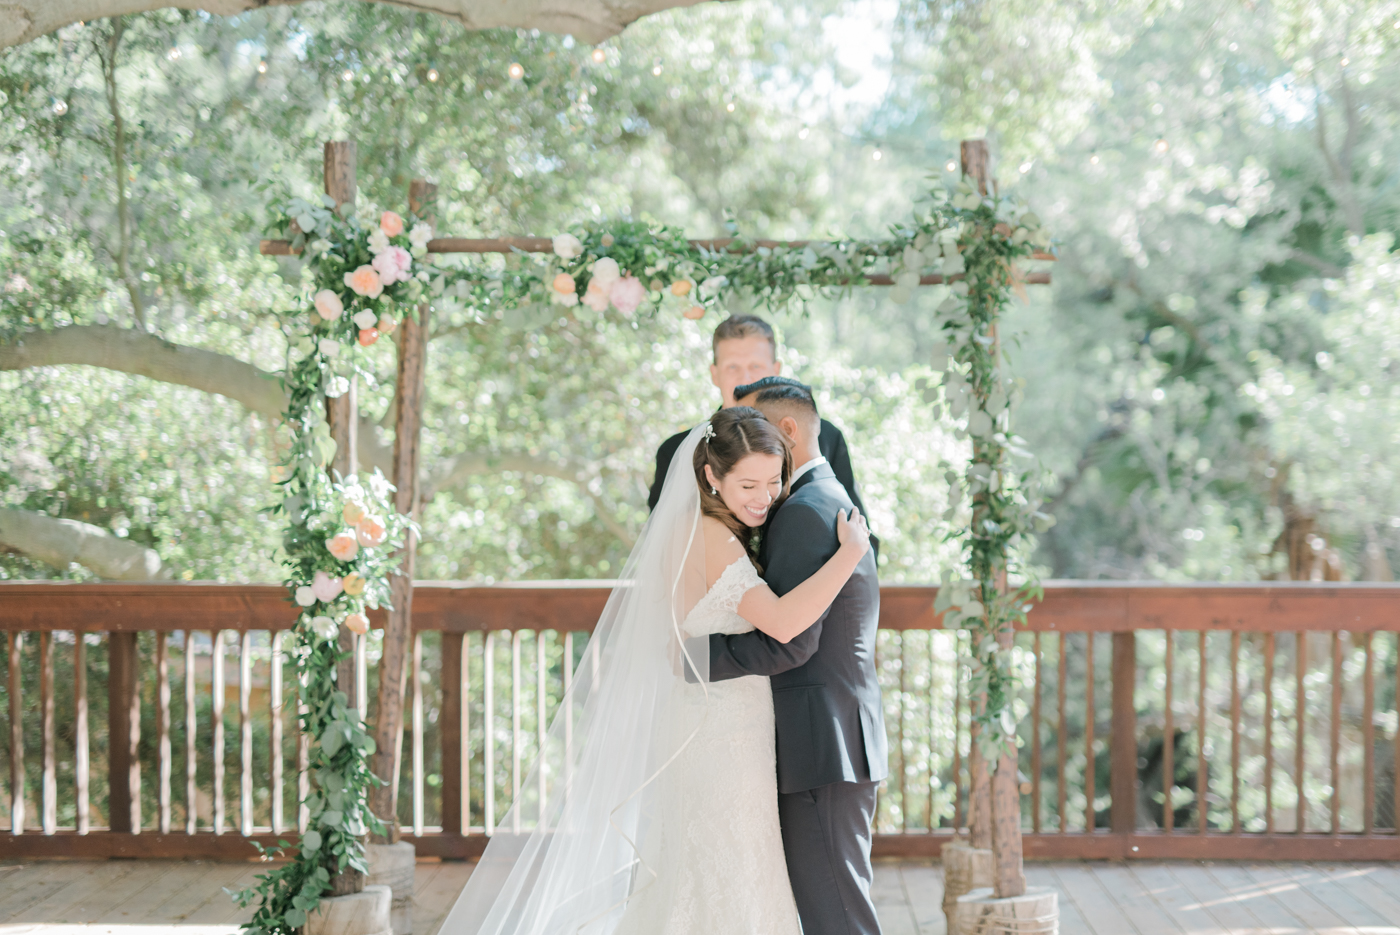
<point x="408" y="425"/>
<point x="124" y="733"/>
<point x="341" y="412"/>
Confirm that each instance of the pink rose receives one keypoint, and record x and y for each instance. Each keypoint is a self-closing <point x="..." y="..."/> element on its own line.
<point x="596" y="297"/>
<point x="393" y="265"/>
<point x="357" y="623"/>
<point x="328" y="305"/>
<point x="370" y="530"/>
<point x="325" y="587"/>
<point x="343" y="546"/>
<point x="391" y="224"/>
<point x="627" y="293"/>
<point x="365" y="281"/>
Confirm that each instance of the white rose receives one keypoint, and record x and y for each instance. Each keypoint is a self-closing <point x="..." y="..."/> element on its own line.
<point x="378" y="241"/>
<point x="305" y="596"/>
<point x="324" y="627"/>
<point x="365" y="318"/>
<point x="337" y="387"/>
<point x="420" y="235"/>
<point x="317" y="247"/>
<point x="328" y="346"/>
<point x="566" y="299"/>
<point x="713" y="284"/>
<point x="567" y="246"/>
<point x="605" y="273"/>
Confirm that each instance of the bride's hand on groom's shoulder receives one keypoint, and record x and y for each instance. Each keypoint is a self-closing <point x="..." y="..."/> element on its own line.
<point x="852" y="531"/>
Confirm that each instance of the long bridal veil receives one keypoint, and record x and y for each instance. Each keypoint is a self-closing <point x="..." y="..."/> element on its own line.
<point x="573" y="850"/>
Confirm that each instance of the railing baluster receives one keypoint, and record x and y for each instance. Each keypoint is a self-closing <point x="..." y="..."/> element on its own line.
<point x="1090" y="814"/>
<point x="1169" y="738"/>
<point x="362" y="674"/>
<point x="274" y="686"/>
<point x="1335" y="729"/>
<point x="191" y="736"/>
<point x="958" y="813"/>
<point x="464" y="751"/>
<point x="488" y="743"/>
<point x="568" y="703"/>
<point x="17" y="792"/>
<point x="515" y="730"/>
<point x="1202" y="768"/>
<point x="418" y="733"/>
<point x="163" y="729"/>
<point x="1035" y="741"/>
<point x="1300" y="708"/>
<point x="903" y="764"/>
<point x="245" y="733"/>
<point x="217" y="696"/>
<point x="541" y="668"/>
<point x="1368" y="741"/>
<point x="303" y="768"/>
<point x="933" y="706"/>
<point x="82" y="765"/>
<point x="1234" y="731"/>
<point x="124" y="732"/>
<point x="1122" y="744"/>
<point x="1395" y="754"/>
<point x="1061" y="739"/>
<point x="48" y="808"/>
<point x="1269" y="733"/>
<point x="451" y="740"/>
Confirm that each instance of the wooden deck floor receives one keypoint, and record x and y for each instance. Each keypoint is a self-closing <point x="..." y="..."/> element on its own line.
<point x="1140" y="898"/>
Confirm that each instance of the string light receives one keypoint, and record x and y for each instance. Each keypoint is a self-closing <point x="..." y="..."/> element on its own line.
<point x="1161" y="146"/>
<point x="262" y="68"/>
<point x="517" y="70"/>
<point x="173" y="53"/>
<point x="432" y="74"/>
<point x="877" y="155"/>
<point x="803" y="133"/>
<point x="1025" y="167"/>
<point x="599" y="56"/>
<point x="729" y="107"/>
<point x="347" y="75"/>
<point x="656" y="68"/>
<point x="1345" y="61"/>
<point x="951" y="166"/>
<point x="1094" y="159"/>
<point x="60" y="106"/>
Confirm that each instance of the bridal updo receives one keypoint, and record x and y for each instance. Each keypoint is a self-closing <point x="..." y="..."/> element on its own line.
<point x="738" y="432"/>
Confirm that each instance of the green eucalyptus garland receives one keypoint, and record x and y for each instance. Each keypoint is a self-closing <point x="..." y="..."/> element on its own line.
<point x="364" y="273"/>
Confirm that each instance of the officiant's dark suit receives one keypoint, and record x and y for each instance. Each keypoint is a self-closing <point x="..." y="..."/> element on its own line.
<point x="826" y="699"/>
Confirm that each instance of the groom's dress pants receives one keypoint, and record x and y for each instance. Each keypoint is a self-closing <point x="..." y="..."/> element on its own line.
<point x="828" y="830"/>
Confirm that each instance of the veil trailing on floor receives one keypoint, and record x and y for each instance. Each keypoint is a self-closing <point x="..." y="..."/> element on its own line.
<point x="594" y="840"/>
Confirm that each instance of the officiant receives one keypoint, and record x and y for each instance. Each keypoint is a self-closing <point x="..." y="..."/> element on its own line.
<point x="745" y="358"/>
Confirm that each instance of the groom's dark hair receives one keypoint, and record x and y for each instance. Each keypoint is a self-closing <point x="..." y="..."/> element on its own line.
<point x="786" y="399"/>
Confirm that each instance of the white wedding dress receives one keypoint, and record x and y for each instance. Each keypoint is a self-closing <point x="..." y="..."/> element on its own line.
<point x="730" y="875"/>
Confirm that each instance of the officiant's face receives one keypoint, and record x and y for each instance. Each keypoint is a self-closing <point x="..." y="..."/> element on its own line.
<point x="742" y="360"/>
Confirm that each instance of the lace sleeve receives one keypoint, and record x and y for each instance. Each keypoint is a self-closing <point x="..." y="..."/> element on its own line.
<point x="735" y="581"/>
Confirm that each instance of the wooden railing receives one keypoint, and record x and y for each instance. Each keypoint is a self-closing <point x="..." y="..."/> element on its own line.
<point x="1289" y="689"/>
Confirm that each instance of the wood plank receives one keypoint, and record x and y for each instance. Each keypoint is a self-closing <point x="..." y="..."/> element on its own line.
<point x="436" y="900"/>
<point x="1176" y="901"/>
<point x="102" y="904"/>
<point x="1222" y="904"/>
<point x="55" y="906"/>
<point x="1077" y="881"/>
<point x="891" y="903"/>
<point x="202" y="878"/>
<point x="1293" y="894"/>
<point x="181" y="880"/>
<point x="923" y="884"/>
<point x="1071" y="919"/>
<point x="1245" y="890"/>
<point x="23" y="885"/>
<point x="1366" y="884"/>
<point x="1320" y="880"/>
<point x="219" y="908"/>
<point x="1135" y="900"/>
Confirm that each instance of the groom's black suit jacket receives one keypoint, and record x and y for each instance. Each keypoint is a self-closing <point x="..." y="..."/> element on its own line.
<point x="826" y="697"/>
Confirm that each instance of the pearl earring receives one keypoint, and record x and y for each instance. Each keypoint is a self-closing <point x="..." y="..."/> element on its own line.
<point x="714" y="492"/>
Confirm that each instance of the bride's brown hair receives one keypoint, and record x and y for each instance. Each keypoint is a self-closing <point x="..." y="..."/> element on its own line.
<point x="738" y="433"/>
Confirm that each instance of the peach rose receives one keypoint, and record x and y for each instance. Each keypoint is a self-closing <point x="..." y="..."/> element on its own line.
<point x="325" y="587"/>
<point x="386" y="325"/>
<point x="357" y="623"/>
<point x="563" y="283"/>
<point x="368" y="336"/>
<point x="391" y="224"/>
<point x="596" y="297"/>
<point x="343" y="546"/>
<point x="681" y="287"/>
<point x="370" y="530"/>
<point x="365" y="281"/>
<point x="352" y="512"/>
<point x="353" y="584"/>
<point x="695" y="312"/>
<point x="328" y="305"/>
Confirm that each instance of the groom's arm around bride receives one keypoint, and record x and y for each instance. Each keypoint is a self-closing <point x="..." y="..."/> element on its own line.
<point x="831" y="749"/>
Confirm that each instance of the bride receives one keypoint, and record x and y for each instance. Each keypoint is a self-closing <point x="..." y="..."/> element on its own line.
<point x="652" y="809"/>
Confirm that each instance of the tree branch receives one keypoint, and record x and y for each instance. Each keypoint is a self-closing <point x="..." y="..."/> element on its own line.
<point x="61" y="542"/>
<point x="1330" y="270"/>
<point x="124" y="224"/>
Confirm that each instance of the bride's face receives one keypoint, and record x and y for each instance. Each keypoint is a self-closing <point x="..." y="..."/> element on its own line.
<point x="751" y="487"/>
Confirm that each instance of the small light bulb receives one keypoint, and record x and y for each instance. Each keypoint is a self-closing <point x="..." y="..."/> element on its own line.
<point x="1345" y="61"/>
<point x="60" y="106"/>
<point x="599" y="56"/>
<point x="729" y="107"/>
<point x="1161" y="146"/>
<point x="517" y="70"/>
<point x="432" y="74"/>
<point x="262" y="68"/>
<point x="877" y="155"/>
<point x="656" y="70"/>
<point x="1025" y="167"/>
<point x="1094" y="159"/>
<point x="347" y="75"/>
<point x="803" y="133"/>
<point x="951" y="166"/>
<point x="174" y="53"/>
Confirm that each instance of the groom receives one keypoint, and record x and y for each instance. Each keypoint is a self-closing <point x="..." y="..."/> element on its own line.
<point x="826" y="697"/>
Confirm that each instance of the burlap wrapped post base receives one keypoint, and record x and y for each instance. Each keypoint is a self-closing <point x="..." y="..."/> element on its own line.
<point x="1034" y="912"/>
<point x="362" y="913"/>
<point x="392" y="865"/>
<point x="965" y="868"/>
